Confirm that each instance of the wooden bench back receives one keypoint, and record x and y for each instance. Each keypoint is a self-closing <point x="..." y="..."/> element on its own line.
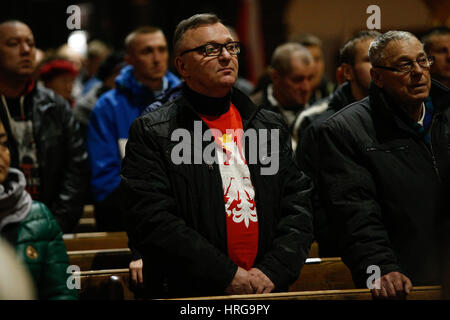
<point x="95" y="241"/>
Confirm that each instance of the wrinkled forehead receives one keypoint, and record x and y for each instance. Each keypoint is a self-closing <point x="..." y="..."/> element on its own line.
<point x="15" y="30"/>
<point x="200" y="35"/>
<point x="398" y="50"/>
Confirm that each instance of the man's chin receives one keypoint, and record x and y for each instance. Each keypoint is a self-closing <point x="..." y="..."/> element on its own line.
<point x="24" y="73"/>
<point x="228" y="82"/>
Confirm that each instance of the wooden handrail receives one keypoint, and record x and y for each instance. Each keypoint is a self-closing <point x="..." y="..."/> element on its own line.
<point x="417" y="293"/>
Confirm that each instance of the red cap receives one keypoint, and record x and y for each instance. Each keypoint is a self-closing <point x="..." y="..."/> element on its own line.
<point x="56" y="67"/>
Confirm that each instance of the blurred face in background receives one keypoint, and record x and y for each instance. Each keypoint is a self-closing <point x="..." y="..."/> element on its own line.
<point x="295" y="87"/>
<point x="62" y="84"/>
<point x="319" y="68"/>
<point x="17" y="50"/>
<point x="358" y="74"/>
<point x="4" y="154"/>
<point x="440" y="49"/>
<point x="149" y="55"/>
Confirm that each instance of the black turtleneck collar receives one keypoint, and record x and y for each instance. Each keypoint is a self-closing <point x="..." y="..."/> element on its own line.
<point x="205" y="105"/>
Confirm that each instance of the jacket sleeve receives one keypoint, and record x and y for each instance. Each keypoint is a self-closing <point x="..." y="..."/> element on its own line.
<point x="54" y="277"/>
<point x="69" y="204"/>
<point x="153" y="225"/>
<point x="293" y="232"/>
<point x="104" y="155"/>
<point x="349" y="194"/>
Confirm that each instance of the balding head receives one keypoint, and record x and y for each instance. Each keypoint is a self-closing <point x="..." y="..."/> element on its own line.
<point x="17" y="50"/>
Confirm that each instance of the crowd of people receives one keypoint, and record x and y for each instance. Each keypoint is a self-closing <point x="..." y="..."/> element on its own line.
<point x="362" y="163"/>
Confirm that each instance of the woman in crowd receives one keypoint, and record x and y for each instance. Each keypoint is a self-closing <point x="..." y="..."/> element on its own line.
<point x="32" y="230"/>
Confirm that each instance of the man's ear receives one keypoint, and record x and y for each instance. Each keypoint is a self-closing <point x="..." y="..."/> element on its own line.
<point x="274" y="75"/>
<point x="181" y="67"/>
<point x="348" y="72"/>
<point x="376" y="77"/>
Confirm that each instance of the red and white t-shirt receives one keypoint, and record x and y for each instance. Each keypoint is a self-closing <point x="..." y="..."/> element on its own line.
<point x="238" y="191"/>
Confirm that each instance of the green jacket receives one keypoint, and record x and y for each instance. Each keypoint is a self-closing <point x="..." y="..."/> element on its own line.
<point x="40" y="245"/>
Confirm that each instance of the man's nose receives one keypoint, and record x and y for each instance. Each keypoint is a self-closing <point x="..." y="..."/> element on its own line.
<point x="25" y="48"/>
<point x="305" y="85"/>
<point x="417" y="69"/>
<point x="225" y="54"/>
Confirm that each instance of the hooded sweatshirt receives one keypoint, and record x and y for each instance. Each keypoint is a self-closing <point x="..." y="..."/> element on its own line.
<point x="109" y="124"/>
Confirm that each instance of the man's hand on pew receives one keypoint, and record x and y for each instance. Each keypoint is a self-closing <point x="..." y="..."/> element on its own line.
<point x="393" y="285"/>
<point x="240" y="283"/>
<point x="136" y="272"/>
<point x="260" y="282"/>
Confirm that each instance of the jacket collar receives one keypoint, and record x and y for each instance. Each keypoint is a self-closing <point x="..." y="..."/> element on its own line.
<point x="390" y="113"/>
<point x="247" y="109"/>
<point x="341" y="97"/>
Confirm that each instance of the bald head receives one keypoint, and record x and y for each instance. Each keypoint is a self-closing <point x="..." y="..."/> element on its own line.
<point x="17" y="50"/>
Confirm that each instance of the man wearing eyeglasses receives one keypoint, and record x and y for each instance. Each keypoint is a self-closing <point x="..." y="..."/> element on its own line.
<point x="222" y="227"/>
<point x="383" y="170"/>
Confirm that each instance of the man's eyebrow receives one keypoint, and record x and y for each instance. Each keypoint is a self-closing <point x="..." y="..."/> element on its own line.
<point x="216" y="42"/>
<point x="407" y="58"/>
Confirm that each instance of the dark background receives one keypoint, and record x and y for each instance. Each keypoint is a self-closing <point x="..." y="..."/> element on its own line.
<point x="111" y="21"/>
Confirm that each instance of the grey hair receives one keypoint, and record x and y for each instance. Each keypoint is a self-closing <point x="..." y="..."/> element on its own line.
<point x="376" y="49"/>
<point x="281" y="58"/>
<point x="192" y="23"/>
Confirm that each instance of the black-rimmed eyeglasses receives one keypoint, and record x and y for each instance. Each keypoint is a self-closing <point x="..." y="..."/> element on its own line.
<point x="215" y="49"/>
<point x="407" y="67"/>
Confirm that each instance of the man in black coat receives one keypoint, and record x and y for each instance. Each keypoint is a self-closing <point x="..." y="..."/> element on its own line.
<point x="238" y="224"/>
<point x="354" y="57"/>
<point x="45" y="138"/>
<point x="383" y="170"/>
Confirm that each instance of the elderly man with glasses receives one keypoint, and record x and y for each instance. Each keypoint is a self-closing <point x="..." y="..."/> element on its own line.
<point x="384" y="165"/>
<point x="222" y="226"/>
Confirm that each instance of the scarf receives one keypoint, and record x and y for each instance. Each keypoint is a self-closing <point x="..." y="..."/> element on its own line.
<point x="15" y="202"/>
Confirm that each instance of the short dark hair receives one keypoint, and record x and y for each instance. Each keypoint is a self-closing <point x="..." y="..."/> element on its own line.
<point x="191" y="23"/>
<point x="141" y="30"/>
<point x="427" y="38"/>
<point x="348" y="51"/>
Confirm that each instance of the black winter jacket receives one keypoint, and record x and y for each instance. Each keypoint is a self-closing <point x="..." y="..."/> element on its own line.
<point x="62" y="156"/>
<point x="307" y="158"/>
<point x="175" y="214"/>
<point x="383" y="189"/>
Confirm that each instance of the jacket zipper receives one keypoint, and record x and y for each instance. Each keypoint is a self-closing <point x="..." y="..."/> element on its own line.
<point x="430" y="151"/>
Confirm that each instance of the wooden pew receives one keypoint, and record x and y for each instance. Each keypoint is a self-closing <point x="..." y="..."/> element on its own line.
<point x="317" y="274"/>
<point x="95" y="240"/>
<point x="417" y="293"/>
<point x="87" y="220"/>
<point x="100" y="259"/>
<point x="113" y="240"/>
<point x="115" y="284"/>
<point x="314" y="251"/>
<point x="323" y="274"/>
<point x="105" y="285"/>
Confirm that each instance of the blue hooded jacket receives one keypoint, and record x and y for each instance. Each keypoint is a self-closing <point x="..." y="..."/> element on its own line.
<point x="109" y="124"/>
